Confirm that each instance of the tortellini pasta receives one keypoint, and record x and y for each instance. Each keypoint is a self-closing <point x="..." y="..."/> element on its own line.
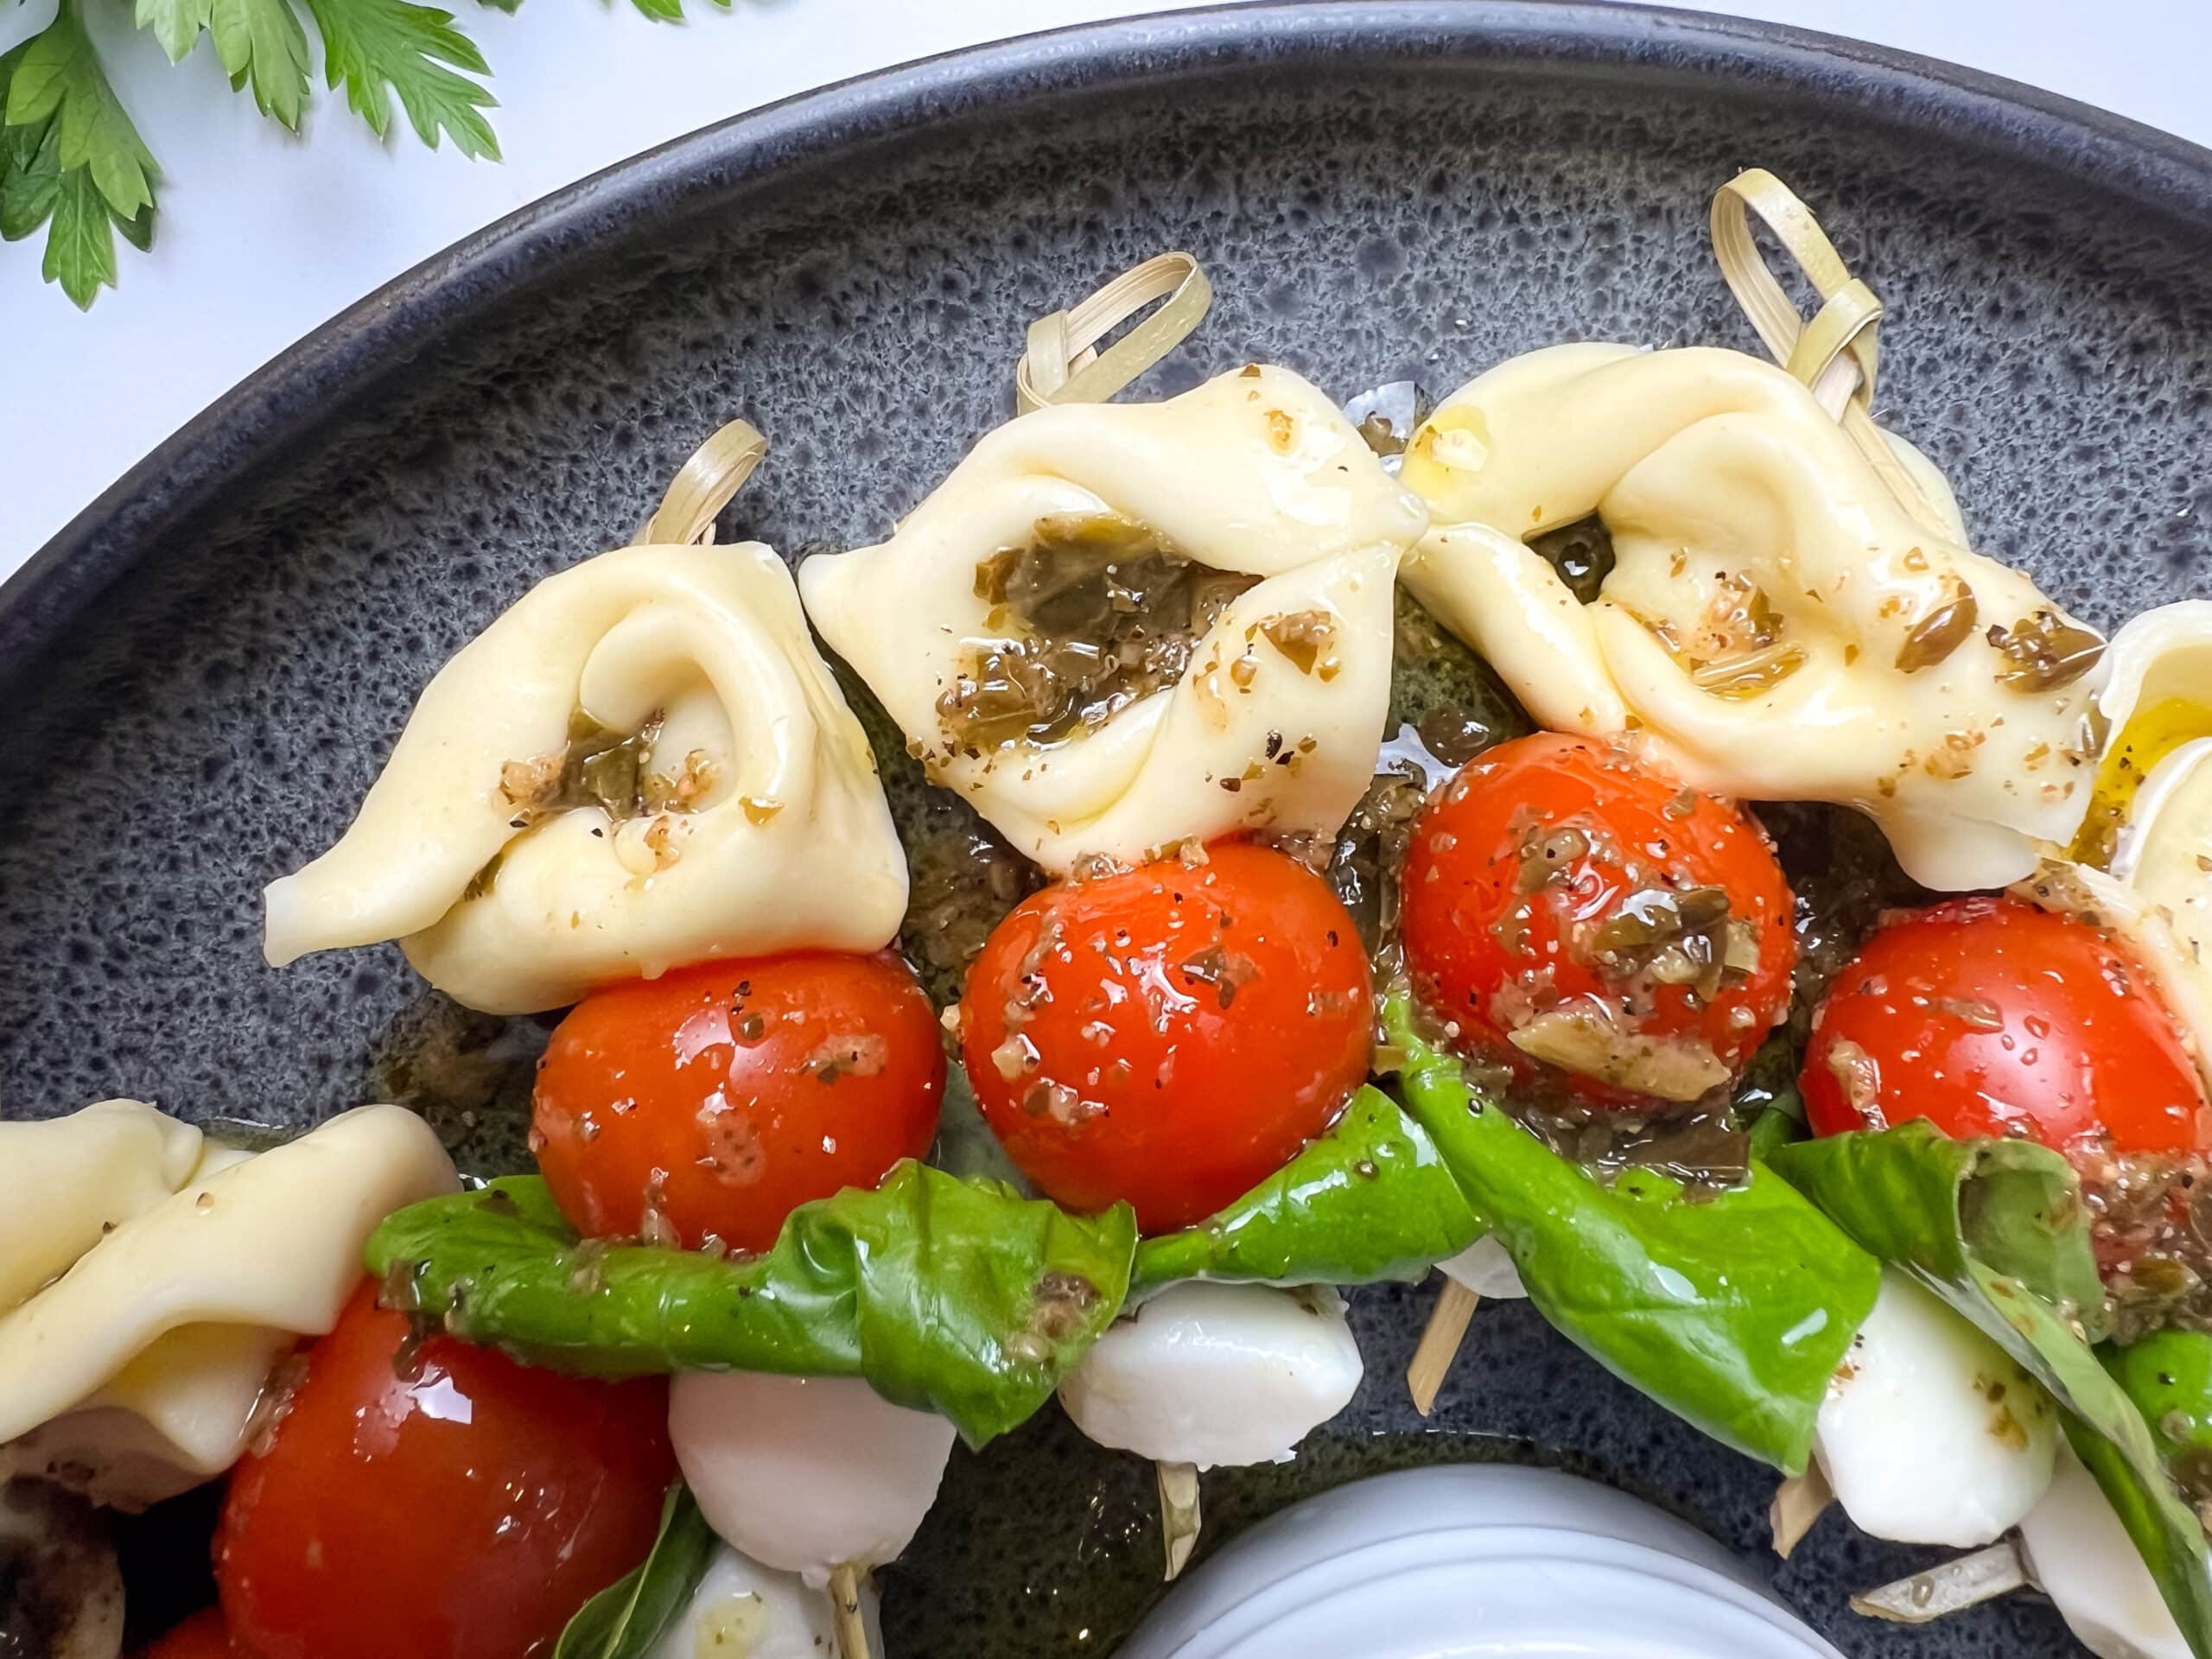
<point x="1775" y="621"/>
<point x="1115" y="627"/>
<point x="643" y="764"/>
<point x="133" y="1372"/>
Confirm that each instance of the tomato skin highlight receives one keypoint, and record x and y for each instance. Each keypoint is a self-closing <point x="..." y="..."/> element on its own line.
<point x="1487" y="950"/>
<point x="1990" y="1017"/>
<point x="1171" y="1034"/>
<point x="730" y="1093"/>
<point x="204" y="1636"/>
<point x="468" y="1508"/>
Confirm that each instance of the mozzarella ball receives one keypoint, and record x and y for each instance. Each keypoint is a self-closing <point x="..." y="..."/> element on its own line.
<point x="742" y="1610"/>
<point x="1485" y="1268"/>
<point x="2085" y="1564"/>
<point x="1931" y="1434"/>
<point x="806" y="1474"/>
<point x="1217" y="1374"/>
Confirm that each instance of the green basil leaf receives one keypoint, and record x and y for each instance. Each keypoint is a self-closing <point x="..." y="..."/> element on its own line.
<point x="1731" y="1311"/>
<point x="1996" y="1229"/>
<point x="624" y="1620"/>
<point x="1951" y="1208"/>
<point x="1371" y="1199"/>
<point x="958" y="1297"/>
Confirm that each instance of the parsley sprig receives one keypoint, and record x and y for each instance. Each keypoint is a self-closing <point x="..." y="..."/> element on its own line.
<point x="71" y="161"/>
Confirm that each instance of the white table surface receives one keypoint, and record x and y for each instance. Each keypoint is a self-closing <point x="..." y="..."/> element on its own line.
<point x="263" y="236"/>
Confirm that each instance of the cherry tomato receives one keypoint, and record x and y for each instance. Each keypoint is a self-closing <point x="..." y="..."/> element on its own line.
<point x="1992" y="1017"/>
<point x="1583" y="917"/>
<point x="445" y="1503"/>
<point x="204" y="1636"/>
<point x="1171" y="1034"/>
<point x="714" y="1100"/>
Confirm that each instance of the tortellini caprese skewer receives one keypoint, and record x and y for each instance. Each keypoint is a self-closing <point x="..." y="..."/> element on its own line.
<point x="643" y="763"/>
<point x="746" y="1046"/>
<point x="1118" y="630"/>
<point x="1788" y="615"/>
<point x="1782" y="603"/>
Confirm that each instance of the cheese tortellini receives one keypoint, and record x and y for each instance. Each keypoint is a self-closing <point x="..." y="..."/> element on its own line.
<point x="1115" y="627"/>
<point x="643" y="764"/>
<point x="1774" y="618"/>
<point x="130" y="1370"/>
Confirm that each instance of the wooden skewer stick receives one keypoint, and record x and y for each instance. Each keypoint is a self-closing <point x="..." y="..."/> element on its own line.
<point x="1951" y="1588"/>
<point x="1798" y="1501"/>
<point x="845" y="1612"/>
<point x="1179" y="1517"/>
<point x="1439" y="1344"/>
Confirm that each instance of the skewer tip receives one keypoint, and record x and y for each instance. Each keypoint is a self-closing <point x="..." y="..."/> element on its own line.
<point x="1439" y="1344"/>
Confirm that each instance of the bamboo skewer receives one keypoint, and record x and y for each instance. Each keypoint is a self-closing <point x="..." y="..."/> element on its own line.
<point x="1957" y="1585"/>
<point x="1836" y="354"/>
<point x="845" y="1613"/>
<point x="704" y="485"/>
<point x="1798" y="1503"/>
<point x="1062" y="363"/>
<point x="1439" y="1344"/>
<point x="1179" y="1516"/>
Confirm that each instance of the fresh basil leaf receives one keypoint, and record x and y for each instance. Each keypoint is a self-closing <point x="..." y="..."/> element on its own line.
<point x="624" y="1620"/>
<point x="1996" y="1229"/>
<point x="1772" y="1129"/>
<point x="958" y="1297"/>
<point x="1950" y="1208"/>
<point x="1371" y="1199"/>
<point x="1732" y="1310"/>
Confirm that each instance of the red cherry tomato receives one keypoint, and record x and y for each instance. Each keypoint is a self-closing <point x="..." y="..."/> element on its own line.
<point x="719" y="1097"/>
<point x="1992" y="1017"/>
<point x="445" y="1504"/>
<point x="204" y="1636"/>
<point x="1171" y="1034"/>
<point x="1581" y="916"/>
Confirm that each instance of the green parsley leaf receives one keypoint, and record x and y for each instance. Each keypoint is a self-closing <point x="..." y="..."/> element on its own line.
<point x="139" y="232"/>
<point x="80" y="243"/>
<point x="176" y="23"/>
<point x="380" y="47"/>
<point x="27" y="187"/>
<point x="261" y="41"/>
<point x="60" y="77"/>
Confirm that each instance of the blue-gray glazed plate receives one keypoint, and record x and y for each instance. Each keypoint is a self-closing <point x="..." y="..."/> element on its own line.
<point x="202" y="672"/>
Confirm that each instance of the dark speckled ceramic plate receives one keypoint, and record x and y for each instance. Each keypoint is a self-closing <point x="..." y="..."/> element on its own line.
<point x="202" y="673"/>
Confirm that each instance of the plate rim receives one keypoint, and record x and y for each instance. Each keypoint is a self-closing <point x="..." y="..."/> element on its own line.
<point x="345" y="357"/>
